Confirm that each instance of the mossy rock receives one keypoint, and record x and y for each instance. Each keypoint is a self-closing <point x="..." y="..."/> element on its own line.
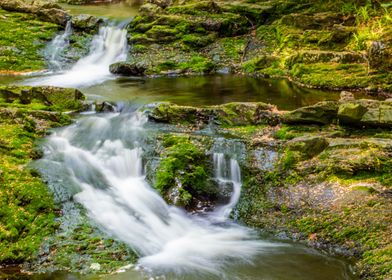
<point x="236" y="113"/>
<point x="57" y="98"/>
<point x="320" y="113"/>
<point x="351" y="113"/>
<point x="308" y="146"/>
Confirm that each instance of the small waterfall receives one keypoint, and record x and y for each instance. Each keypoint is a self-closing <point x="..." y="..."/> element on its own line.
<point x="102" y="155"/>
<point x="56" y="47"/>
<point x="228" y="175"/>
<point x="107" y="47"/>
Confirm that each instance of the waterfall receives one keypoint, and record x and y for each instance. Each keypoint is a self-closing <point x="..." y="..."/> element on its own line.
<point x="107" y="47"/>
<point x="228" y="174"/>
<point x="102" y="155"/>
<point x="56" y="48"/>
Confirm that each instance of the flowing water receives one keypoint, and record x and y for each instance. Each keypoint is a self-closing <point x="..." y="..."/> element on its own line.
<point x="101" y="161"/>
<point x="107" y="47"/>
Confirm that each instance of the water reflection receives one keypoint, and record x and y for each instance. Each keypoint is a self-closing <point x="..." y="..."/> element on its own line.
<point x="210" y="90"/>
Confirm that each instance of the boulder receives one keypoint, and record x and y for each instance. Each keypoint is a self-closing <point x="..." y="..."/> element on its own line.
<point x="44" y="9"/>
<point x="86" y="22"/>
<point x="150" y="9"/>
<point x="236" y="113"/>
<point x="351" y="113"/>
<point x="59" y="98"/>
<point x="372" y="113"/>
<point x="128" y="69"/>
<point x="321" y="113"/>
<point x="308" y="146"/>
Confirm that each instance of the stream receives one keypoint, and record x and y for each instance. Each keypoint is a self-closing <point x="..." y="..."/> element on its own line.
<point x="101" y="157"/>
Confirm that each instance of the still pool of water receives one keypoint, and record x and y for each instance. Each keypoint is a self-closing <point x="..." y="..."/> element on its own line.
<point x="203" y="90"/>
<point x="119" y="10"/>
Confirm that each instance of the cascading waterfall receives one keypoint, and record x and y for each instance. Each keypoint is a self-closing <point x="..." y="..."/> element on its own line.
<point x="102" y="154"/>
<point x="107" y="47"/>
<point x="56" y="48"/>
<point x="227" y="172"/>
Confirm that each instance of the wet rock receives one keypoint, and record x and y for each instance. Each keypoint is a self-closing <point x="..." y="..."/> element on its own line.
<point x="86" y="22"/>
<point x="128" y="69"/>
<point x="320" y="113"/>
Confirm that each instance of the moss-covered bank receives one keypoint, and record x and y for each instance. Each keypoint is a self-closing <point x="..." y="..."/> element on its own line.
<point x="27" y="210"/>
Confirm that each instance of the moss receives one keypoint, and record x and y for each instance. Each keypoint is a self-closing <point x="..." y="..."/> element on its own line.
<point x="185" y="167"/>
<point x="22" y="39"/>
<point x="197" y="64"/>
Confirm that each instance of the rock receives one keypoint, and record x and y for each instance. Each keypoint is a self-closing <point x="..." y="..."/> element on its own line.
<point x="316" y="56"/>
<point x="161" y="3"/>
<point x="346" y="96"/>
<point x="45" y="10"/>
<point x="308" y="146"/>
<point x="60" y="98"/>
<point x="245" y="113"/>
<point x="351" y="113"/>
<point x="128" y="69"/>
<point x="86" y="22"/>
<point x="316" y="21"/>
<point x="95" y="266"/>
<point x="380" y="55"/>
<point x="321" y="113"/>
<point x="150" y="9"/>
<point x="53" y="15"/>
<point x="372" y="113"/>
<point x="236" y="113"/>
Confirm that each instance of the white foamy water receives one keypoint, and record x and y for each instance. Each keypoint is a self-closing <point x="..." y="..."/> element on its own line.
<point x="227" y="171"/>
<point x="103" y="156"/>
<point x="57" y="46"/>
<point x="108" y="46"/>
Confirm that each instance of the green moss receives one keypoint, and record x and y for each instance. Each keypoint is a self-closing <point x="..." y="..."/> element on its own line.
<point x="197" y="64"/>
<point x="184" y="166"/>
<point x="26" y="211"/>
<point x="22" y="39"/>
